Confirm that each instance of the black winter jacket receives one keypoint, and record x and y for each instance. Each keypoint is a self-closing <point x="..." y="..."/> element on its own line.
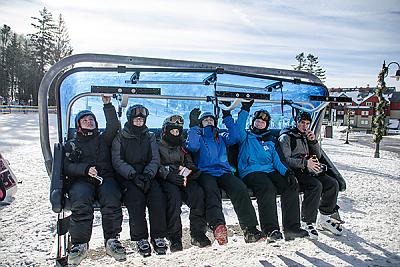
<point x="174" y="156"/>
<point x="83" y="152"/>
<point x="135" y="153"/>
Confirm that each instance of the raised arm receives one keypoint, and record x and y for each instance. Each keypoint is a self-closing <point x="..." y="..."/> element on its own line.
<point x="233" y="135"/>
<point x="193" y="139"/>
<point x="112" y="123"/>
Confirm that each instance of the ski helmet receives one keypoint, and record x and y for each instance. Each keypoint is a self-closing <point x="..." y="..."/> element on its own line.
<point x="262" y="114"/>
<point x="207" y="114"/>
<point x="137" y="110"/>
<point x="82" y="114"/>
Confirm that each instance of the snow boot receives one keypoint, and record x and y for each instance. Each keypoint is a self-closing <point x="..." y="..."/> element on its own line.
<point x="77" y="253"/>
<point x="175" y="244"/>
<point x="252" y="235"/>
<point x="312" y="232"/>
<point x="336" y="218"/>
<point x="326" y="223"/>
<point x="274" y="236"/>
<point x="115" y="249"/>
<point x="200" y="240"/>
<point x="159" y="246"/>
<point x="143" y="247"/>
<point x="221" y="234"/>
<point x="292" y="234"/>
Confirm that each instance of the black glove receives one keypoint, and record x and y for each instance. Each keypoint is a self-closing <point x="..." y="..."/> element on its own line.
<point x="291" y="180"/>
<point x="147" y="183"/>
<point x="194" y="117"/>
<point x="138" y="181"/>
<point x="174" y="178"/>
<point x="247" y="105"/>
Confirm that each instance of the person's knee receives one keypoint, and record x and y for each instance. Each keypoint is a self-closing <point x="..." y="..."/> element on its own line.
<point x="317" y="187"/>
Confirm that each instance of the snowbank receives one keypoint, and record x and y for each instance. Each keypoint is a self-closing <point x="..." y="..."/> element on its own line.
<point x="370" y="207"/>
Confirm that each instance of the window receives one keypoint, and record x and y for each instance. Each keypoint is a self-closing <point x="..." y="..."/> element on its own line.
<point x="340" y="112"/>
<point x="364" y="113"/>
<point x="364" y="122"/>
<point x="351" y="121"/>
<point x="370" y="104"/>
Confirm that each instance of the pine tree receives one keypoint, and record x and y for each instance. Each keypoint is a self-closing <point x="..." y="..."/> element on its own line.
<point x="309" y="64"/>
<point x="5" y="34"/>
<point x="62" y="47"/>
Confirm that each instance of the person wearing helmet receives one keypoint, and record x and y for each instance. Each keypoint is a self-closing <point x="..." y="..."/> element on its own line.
<point x="261" y="169"/>
<point x="90" y="176"/>
<point x="208" y="148"/>
<point x="136" y="159"/>
<point x="302" y="153"/>
<point x="178" y="177"/>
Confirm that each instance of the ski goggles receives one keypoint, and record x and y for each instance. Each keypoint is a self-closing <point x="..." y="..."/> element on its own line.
<point x="176" y="119"/>
<point x="140" y="112"/>
<point x="262" y="115"/>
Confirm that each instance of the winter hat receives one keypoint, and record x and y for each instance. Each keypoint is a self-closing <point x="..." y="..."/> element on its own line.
<point x="207" y="114"/>
<point x="303" y="115"/>
<point x="137" y="110"/>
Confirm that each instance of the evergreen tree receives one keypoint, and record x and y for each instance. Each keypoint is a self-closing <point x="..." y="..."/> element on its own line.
<point x="62" y="47"/>
<point x="5" y="33"/>
<point x="309" y="64"/>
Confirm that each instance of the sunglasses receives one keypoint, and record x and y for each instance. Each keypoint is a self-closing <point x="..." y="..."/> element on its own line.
<point x="176" y="119"/>
<point x="140" y="112"/>
<point x="261" y="115"/>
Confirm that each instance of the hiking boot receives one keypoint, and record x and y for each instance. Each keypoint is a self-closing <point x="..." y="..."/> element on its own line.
<point x="221" y="234"/>
<point x="115" y="249"/>
<point x="200" y="240"/>
<point x="159" y="246"/>
<point x="312" y="232"/>
<point x="77" y="253"/>
<point x="292" y="234"/>
<point x="252" y="235"/>
<point x="143" y="247"/>
<point x="326" y="223"/>
<point x="274" y="236"/>
<point x="175" y="244"/>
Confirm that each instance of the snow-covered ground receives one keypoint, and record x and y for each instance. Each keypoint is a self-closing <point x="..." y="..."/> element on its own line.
<point x="370" y="206"/>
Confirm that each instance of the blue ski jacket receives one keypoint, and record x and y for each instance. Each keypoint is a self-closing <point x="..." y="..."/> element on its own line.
<point x="208" y="147"/>
<point x="256" y="155"/>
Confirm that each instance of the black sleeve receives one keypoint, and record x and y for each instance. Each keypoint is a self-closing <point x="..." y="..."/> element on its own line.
<point x="153" y="165"/>
<point x="112" y="123"/>
<point x="72" y="167"/>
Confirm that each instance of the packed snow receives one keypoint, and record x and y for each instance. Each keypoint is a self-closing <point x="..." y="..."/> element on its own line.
<point x="370" y="206"/>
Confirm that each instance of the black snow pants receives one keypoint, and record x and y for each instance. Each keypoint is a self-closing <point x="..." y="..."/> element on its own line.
<point x="236" y="191"/>
<point x="83" y="194"/>
<point x="266" y="186"/>
<point x="193" y="196"/>
<point x="320" y="192"/>
<point x="136" y="202"/>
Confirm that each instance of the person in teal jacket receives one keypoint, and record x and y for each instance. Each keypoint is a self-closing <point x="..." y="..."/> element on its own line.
<point x="208" y="147"/>
<point x="261" y="169"/>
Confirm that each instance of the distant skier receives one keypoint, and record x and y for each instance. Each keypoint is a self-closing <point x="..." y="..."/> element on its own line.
<point x="302" y="151"/>
<point x="87" y="162"/>
<point x="261" y="170"/>
<point x="208" y="147"/>
<point x="175" y="161"/>
<point x="136" y="158"/>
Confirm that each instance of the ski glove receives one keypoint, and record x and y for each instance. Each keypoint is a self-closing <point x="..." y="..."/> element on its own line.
<point x="291" y="180"/>
<point x="146" y="179"/>
<point x="137" y="180"/>
<point x="194" y="117"/>
<point x="174" y="178"/>
<point x="247" y="105"/>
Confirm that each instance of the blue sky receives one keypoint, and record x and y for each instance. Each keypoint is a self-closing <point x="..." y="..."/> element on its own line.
<point x="352" y="38"/>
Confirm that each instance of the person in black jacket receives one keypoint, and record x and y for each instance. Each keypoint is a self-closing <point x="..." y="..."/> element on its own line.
<point x="136" y="158"/>
<point x="175" y="162"/>
<point x="88" y="169"/>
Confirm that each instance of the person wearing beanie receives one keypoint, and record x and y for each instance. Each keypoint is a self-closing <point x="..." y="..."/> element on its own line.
<point x="208" y="147"/>
<point x="90" y="176"/>
<point x="178" y="178"/>
<point x="261" y="169"/>
<point x="136" y="159"/>
<point x="302" y="153"/>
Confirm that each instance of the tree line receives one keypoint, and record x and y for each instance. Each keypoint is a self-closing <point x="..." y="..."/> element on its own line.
<point x="25" y="59"/>
<point x="309" y="63"/>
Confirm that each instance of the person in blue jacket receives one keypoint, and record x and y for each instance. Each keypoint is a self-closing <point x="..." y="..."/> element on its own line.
<point x="208" y="147"/>
<point x="261" y="169"/>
